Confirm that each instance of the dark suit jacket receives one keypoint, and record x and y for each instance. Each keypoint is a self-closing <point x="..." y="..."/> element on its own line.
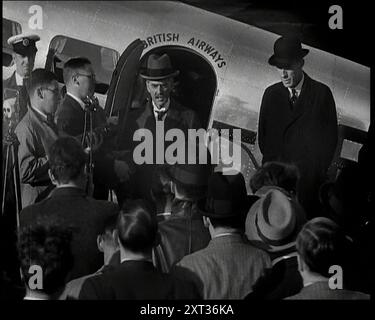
<point x="228" y="267"/>
<point x="279" y="282"/>
<point x="181" y="234"/>
<point x="321" y="291"/>
<point x="306" y="135"/>
<point x="35" y="137"/>
<point x="71" y="207"/>
<point x="137" y="280"/>
<point x="70" y="119"/>
<point x="177" y="116"/>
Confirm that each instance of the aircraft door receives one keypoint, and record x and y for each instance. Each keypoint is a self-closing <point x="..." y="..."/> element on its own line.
<point x="122" y="85"/>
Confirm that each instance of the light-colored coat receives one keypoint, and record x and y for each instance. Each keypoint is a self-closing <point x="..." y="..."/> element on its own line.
<point x="35" y="136"/>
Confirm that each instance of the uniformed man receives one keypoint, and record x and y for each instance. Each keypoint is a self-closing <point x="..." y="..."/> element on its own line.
<point x="24" y="51"/>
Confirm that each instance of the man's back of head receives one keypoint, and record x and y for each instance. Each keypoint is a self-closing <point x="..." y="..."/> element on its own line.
<point x="79" y="77"/>
<point x="137" y="227"/>
<point x="67" y="162"/>
<point x="45" y="248"/>
<point x="43" y="91"/>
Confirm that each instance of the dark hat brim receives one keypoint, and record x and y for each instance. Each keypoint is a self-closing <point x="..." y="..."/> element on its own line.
<point x="149" y="76"/>
<point x="282" y="62"/>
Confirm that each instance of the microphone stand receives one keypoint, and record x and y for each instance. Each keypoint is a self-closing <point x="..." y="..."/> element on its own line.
<point x="89" y="110"/>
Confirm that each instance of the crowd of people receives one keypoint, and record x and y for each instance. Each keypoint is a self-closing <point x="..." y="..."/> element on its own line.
<point x="186" y="231"/>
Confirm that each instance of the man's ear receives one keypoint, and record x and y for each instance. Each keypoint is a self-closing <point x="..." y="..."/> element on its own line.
<point x="39" y="92"/>
<point x="52" y="178"/>
<point x="206" y="221"/>
<point x="115" y="236"/>
<point x="99" y="241"/>
<point x="75" y="80"/>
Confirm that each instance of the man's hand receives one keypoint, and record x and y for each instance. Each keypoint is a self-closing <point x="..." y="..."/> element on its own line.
<point x="96" y="139"/>
<point x="122" y="170"/>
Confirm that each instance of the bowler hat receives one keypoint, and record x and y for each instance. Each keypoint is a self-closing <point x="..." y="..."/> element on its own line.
<point x="273" y="222"/>
<point x="226" y="196"/>
<point x="158" y="68"/>
<point x="287" y="50"/>
<point x="24" y="44"/>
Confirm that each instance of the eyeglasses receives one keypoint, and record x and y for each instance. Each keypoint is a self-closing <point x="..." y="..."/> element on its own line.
<point x="91" y="76"/>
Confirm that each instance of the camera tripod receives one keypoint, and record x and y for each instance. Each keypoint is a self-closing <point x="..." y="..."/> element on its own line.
<point x="11" y="176"/>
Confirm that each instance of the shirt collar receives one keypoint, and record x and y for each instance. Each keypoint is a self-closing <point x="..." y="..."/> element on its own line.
<point x="298" y="87"/>
<point x="42" y="114"/>
<point x="81" y="103"/>
<point x="165" y="108"/>
<point x="19" y="80"/>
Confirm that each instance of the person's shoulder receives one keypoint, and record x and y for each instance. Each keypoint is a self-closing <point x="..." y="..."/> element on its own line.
<point x="26" y="124"/>
<point x="28" y="214"/>
<point x="275" y="87"/>
<point x="317" y="84"/>
<point x="66" y="105"/>
<point x="8" y="81"/>
<point x="181" y="108"/>
<point x="196" y="257"/>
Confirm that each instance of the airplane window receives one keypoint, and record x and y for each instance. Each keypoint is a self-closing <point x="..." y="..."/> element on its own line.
<point x="103" y="59"/>
<point x="10" y="28"/>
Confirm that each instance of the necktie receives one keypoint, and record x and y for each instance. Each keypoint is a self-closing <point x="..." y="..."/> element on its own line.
<point x="161" y="114"/>
<point x="294" y="97"/>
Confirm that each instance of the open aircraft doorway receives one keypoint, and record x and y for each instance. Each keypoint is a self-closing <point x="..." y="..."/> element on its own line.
<point x="196" y="83"/>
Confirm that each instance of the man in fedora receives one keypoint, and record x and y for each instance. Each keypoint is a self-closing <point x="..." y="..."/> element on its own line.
<point x="228" y="267"/>
<point x="159" y="109"/>
<point x="298" y="121"/>
<point x="272" y="224"/>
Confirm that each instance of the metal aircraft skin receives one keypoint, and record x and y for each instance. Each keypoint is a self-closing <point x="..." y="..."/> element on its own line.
<point x="236" y="53"/>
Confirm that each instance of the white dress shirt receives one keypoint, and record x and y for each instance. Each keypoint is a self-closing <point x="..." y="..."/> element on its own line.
<point x="298" y="87"/>
<point x="165" y="108"/>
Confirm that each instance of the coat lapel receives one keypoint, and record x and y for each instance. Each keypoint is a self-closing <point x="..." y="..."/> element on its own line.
<point x="146" y="116"/>
<point x="303" y="103"/>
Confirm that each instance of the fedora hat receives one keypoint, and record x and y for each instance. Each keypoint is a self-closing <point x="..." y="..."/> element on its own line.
<point x="158" y="68"/>
<point x="273" y="222"/>
<point x="24" y="44"/>
<point x="287" y="50"/>
<point x="226" y="196"/>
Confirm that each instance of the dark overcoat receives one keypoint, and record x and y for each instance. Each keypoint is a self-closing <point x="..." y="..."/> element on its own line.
<point x="177" y="116"/>
<point x="70" y="119"/>
<point x="305" y="134"/>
